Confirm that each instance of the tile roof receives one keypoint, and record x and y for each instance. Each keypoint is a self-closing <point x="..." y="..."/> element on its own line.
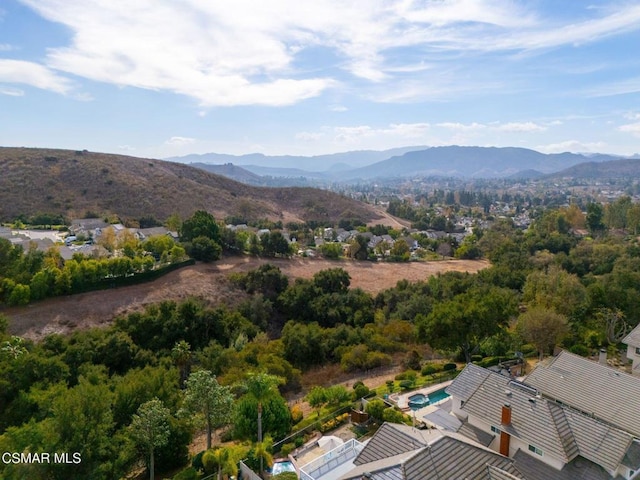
<point x="598" y="390"/>
<point x="468" y="381"/>
<point x="393" y="439"/>
<point x="633" y="338"/>
<point x="579" y="469"/>
<point x="557" y="430"/>
<point x="446" y="456"/>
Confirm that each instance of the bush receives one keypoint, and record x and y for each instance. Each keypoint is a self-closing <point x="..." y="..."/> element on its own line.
<point x="579" y="349"/>
<point x="287" y="448"/>
<point x="448" y="367"/>
<point x="299" y="441"/>
<point x="490" y="361"/>
<point x="296" y="414"/>
<point x="188" y="473"/>
<point x="286" y="476"/>
<point x="392" y="415"/>
<point x="196" y="462"/>
<point x="406" y="384"/>
<point x="360" y="391"/>
<point x="430" y="369"/>
<point x="476" y="358"/>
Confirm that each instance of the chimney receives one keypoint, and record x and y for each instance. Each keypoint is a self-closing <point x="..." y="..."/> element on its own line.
<point x="505" y="438"/>
<point x="602" y="359"/>
<point x="506" y="414"/>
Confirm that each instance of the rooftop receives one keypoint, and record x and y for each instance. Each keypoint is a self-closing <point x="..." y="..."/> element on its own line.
<point x="598" y="390"/>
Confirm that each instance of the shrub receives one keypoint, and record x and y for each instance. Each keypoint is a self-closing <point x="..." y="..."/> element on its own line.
<point x="286" y="476"/>
<point x="296" y="413"/>
<point x="579" y="349"/>
<point x="196" y="462"/>
<point x="490" y="361"/>
<point x="299" y="441"/>
<point x="360" y="391"/>
<point x="287" y="448"/>
<point x="476" y="358"/>
<point x="188" y="473"/>
<point x="406" y="384"/>
<point x="447" y="367"/>
<point x="430" y="368"/>
<point x="392" y="415"/>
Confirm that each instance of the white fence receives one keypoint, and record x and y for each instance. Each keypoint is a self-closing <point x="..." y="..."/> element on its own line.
<point x="247" y="473"/>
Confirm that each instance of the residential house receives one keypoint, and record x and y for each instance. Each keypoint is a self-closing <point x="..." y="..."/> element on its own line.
<point x="400" y="452"/>
<point x="547" y="437"/>
<point x="632" y="341"/>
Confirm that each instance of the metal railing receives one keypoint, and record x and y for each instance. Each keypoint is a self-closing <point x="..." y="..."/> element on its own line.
<point x="330" y="460"/>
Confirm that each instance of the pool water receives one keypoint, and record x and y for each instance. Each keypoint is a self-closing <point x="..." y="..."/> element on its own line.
<point x="280" y="467"/>
<point x="420" y="400"/>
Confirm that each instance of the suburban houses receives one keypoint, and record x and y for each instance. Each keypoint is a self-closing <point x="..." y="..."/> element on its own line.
<point x="569" y="419"/>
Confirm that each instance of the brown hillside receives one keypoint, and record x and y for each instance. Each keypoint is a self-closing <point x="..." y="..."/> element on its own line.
<point x="72" y="183"/>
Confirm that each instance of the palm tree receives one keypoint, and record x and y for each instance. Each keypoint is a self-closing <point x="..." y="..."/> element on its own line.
<point x="181" y="353"/>
<point x="261" y="451"/>
<point x="261" y="386"/>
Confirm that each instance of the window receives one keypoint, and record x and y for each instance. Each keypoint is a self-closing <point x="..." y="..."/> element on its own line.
<point x="535" y="450"/>
<point x="637" y="350"/>
<point x="495" y="429"/>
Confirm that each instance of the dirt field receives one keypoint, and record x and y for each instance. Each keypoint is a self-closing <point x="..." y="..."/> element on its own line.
<point x="210" y="282"/>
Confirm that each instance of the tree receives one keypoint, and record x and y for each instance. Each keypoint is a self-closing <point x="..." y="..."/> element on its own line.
<point x="467" y="319"/>
<point x="205" y="249"/>
<point x="542" y="327"/>
<point x="208" y="401"/>
<point x="359" y="248"/>
<point x="261" y="386"/>
<point x="317" y="397"/>
<point x="273" y="244"/>
<point x="150" y="428"/>
<point x="595" y="215"/>
<point x="225" y="459"/>
<point x="181" y="354"/>
<point x="200" y="224"/>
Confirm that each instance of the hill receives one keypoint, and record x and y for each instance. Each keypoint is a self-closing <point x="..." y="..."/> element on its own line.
<point x="75" y="183"/>
<point x="470" y="162"/>
<point x="615" y="169"/>
<point x="356" y="158"/>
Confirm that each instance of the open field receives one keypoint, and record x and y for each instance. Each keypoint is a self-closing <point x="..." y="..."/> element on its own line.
<point x="207" y="281"/>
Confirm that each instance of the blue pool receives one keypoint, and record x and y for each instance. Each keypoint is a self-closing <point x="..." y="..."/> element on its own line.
<point x="279" y="467"/>
<point x="420" y="400"/>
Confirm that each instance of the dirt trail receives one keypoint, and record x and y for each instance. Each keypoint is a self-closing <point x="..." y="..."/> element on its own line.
<point x="207" y="281"/>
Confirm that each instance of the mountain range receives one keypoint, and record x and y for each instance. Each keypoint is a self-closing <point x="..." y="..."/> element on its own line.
<point x="449" y="161"/>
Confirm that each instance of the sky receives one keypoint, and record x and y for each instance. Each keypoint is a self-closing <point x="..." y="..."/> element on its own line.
<point x="161" y="78"/>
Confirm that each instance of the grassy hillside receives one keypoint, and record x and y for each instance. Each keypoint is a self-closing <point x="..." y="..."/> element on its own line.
<point x="73" y="183"/>
<point x="627" y="168"/>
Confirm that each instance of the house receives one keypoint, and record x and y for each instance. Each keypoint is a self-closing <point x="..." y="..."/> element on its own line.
<point x="548" y="438"/>
<point x="633" y="349"/>
<point x="400" y="452"/>
<point x="405" y="453"/>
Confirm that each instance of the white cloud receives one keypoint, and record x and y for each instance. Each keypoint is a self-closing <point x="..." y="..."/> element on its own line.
<point x="572" y="146"/>
<point x="521" y="127"/>
<point x="180" y="141"/>
<point x="461" y="126"/>
<point x="33" y="74"/>
<point x="10" y="91"/>
<point x="338" y="108"/>
<point x="247" y="52"/>
<point x="309" y="136"/>
<point x="633" y="128"/>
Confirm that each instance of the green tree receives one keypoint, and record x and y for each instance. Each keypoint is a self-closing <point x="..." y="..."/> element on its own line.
<point x="204" y="249"/>
<point x="376" y="408"/>
<point x="206" y="400"/>
<point x="594" y="218"/>
<point x="181" y="354"/>
<point x="150" y="429"/>
<point x="317" y="397"/>
<point x="542" y="327"/>
<point x="467" y="319"/>
<point x="200" y="224"/>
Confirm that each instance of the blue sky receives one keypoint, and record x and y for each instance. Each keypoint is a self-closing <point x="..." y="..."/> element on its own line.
<point x="158" y="78"/>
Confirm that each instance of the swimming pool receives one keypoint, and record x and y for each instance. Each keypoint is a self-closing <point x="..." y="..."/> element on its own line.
<point x="279" y="467"/>
<point x="420" y="400"/>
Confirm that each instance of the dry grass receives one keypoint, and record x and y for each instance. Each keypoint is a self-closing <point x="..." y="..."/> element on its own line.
<point x="209" y="282"/>
<point x="74" y="182"/>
